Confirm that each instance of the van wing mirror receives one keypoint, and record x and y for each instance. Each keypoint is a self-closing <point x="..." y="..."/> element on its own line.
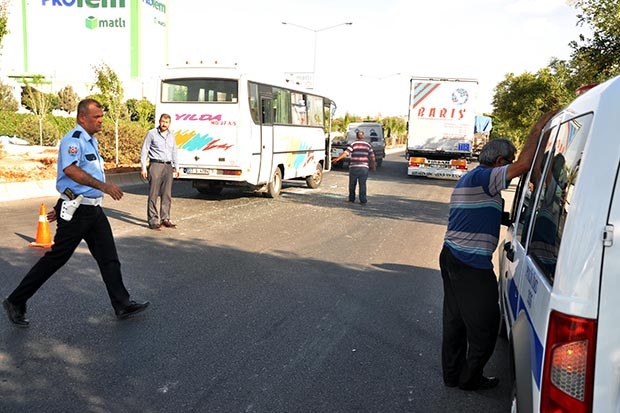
<point x="506" y="219"/>
<point x="510" y="254"/>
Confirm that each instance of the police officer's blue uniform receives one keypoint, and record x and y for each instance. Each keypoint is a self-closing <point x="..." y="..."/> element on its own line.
<point x="89" y="223"/>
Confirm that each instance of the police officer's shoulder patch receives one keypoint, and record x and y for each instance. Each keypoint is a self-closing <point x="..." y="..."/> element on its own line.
<point x="76" y="134"/>
<point x="72" y="150"/>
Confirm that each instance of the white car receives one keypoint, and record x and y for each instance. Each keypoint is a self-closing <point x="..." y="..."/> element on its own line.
<point x="559" y="266"/>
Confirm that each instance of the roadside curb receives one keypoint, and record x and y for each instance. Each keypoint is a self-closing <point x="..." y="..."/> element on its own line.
<point x="395" y="149"/>
<point x="14" y="191"/>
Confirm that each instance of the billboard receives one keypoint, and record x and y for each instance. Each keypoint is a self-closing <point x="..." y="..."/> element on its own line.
<point x="65" y="39"/>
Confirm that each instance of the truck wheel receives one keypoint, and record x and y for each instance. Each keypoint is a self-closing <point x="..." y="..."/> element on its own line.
<point x="314" y="181"/>
<point x="274" y="187"/>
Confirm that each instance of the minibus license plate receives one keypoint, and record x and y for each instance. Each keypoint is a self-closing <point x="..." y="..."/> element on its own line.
<point x="202" y="171"/>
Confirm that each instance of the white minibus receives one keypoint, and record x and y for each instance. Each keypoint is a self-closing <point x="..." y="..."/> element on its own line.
<point x="235" y="129"/>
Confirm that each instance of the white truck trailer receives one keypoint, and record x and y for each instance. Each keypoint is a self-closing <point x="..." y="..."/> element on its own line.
<point x="440" y="126"/>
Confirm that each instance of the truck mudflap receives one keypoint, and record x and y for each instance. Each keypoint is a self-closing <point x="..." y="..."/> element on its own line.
<point x="436" y="172"/>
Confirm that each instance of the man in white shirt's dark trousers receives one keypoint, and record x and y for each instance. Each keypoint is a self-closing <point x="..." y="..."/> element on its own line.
<point x="160" y="149"/>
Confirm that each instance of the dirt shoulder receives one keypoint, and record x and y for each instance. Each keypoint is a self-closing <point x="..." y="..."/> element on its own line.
<point x="26" y="163"/>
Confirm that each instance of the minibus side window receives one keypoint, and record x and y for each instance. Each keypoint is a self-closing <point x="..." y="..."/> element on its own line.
<point x="557" y="181"/>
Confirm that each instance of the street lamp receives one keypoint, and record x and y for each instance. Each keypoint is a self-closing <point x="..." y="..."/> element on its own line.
<point x="316" y="32"/>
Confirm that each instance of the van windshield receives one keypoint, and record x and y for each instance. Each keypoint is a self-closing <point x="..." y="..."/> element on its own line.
<point x="372" y="133"/>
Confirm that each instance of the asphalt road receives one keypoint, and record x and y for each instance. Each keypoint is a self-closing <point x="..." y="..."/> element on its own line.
<point x="304" y="303"/>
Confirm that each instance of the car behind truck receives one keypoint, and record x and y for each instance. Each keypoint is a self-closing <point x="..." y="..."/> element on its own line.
<point x="440" y="126"/>
<point x="373" y="134"/>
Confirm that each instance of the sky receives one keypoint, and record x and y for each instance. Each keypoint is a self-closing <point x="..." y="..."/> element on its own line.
<point x="365" y="67"/>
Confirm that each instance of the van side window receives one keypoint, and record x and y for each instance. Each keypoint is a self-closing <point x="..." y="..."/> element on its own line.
<point x="528" y="184"/>
<point x="558" y="173"/>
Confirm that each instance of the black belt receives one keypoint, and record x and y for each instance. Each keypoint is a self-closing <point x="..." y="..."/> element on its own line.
<point x="158" y="161"/>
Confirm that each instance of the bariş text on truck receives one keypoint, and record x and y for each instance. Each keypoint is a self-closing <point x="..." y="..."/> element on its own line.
<point x="440" y="126"/>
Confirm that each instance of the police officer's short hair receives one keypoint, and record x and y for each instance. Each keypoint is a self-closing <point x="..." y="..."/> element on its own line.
<point x="500" y="147"/>
<point x="84" y="106"/>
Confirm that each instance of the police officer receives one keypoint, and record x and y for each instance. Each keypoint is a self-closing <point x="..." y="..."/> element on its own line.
<point x="79" y="215"/>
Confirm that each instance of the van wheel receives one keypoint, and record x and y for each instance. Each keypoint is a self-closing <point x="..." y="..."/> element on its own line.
<point x="513" y="398"/>
<point x="274" y="187"/>
<point x="502" y="331"/>
<point x="314" y="181"/>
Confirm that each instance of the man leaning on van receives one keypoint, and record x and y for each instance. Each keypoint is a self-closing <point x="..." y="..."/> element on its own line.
<point x="470" y="306"/>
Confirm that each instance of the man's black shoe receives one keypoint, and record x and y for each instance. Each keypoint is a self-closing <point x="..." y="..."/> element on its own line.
<point x="131" y="309"/>
<point x="451" y="383"/>
<point x="166" y="223"/>
<point x="15" y="314"/>
<point x="484" y="383"/>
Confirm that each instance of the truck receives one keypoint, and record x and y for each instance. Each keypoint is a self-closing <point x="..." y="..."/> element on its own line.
<point x="440" y="126"/>
<point x="373" y="134"/>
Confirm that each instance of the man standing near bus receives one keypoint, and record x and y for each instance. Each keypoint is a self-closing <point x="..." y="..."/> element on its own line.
<point x="161" y="150"/>
<point x="362" y="159"/>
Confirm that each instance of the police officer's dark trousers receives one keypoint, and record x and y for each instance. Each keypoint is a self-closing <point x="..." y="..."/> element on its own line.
<point x="90" y="224"/>
<point x="470" y="319"/>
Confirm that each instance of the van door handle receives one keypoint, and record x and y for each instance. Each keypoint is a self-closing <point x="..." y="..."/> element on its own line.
<point x="510" y="254"/>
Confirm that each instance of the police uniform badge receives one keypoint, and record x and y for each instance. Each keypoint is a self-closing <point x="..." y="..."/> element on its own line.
<point x="73" y="150"/>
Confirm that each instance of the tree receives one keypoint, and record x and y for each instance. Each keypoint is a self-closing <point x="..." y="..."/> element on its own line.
<point x="396" y="128"/>
<point x="596" y="58"/>
<point x="36" y="101"/>
<point x="520" y="100"/>
<point x="68" y="99"/>
<point x="141" y="111"/>
<point x="3" y="20"/>
<point x="7" y="100"/>
<point x="131" y="109"/>
<point x="111" y="89"/>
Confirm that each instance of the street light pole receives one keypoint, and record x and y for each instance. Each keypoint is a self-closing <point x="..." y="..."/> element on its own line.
<point x="316" y="33"/>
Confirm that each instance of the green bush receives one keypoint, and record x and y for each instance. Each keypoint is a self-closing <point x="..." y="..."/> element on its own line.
<point x="130" y="138"/>
<point x="130" y="134"/>
<point x="64" y="124"/>
<point x="9" y="122"/>
<point x="28" y="129"/>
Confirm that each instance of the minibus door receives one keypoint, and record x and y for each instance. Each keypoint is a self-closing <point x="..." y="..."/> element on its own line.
<point x="266" y="137"/>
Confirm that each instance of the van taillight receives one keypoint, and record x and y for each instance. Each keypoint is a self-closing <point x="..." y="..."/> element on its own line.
<point x="568" y="376"/>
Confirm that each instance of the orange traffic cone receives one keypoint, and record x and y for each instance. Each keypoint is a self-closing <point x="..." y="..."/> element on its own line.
<point x="44" y="238"/>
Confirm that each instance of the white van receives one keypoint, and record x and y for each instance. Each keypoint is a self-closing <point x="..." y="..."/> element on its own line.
<point x="559" y="265"/>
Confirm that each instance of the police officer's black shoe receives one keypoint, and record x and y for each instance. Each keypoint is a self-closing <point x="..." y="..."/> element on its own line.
<point x="16" y="315"/>
<point x="131" y="309"/>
